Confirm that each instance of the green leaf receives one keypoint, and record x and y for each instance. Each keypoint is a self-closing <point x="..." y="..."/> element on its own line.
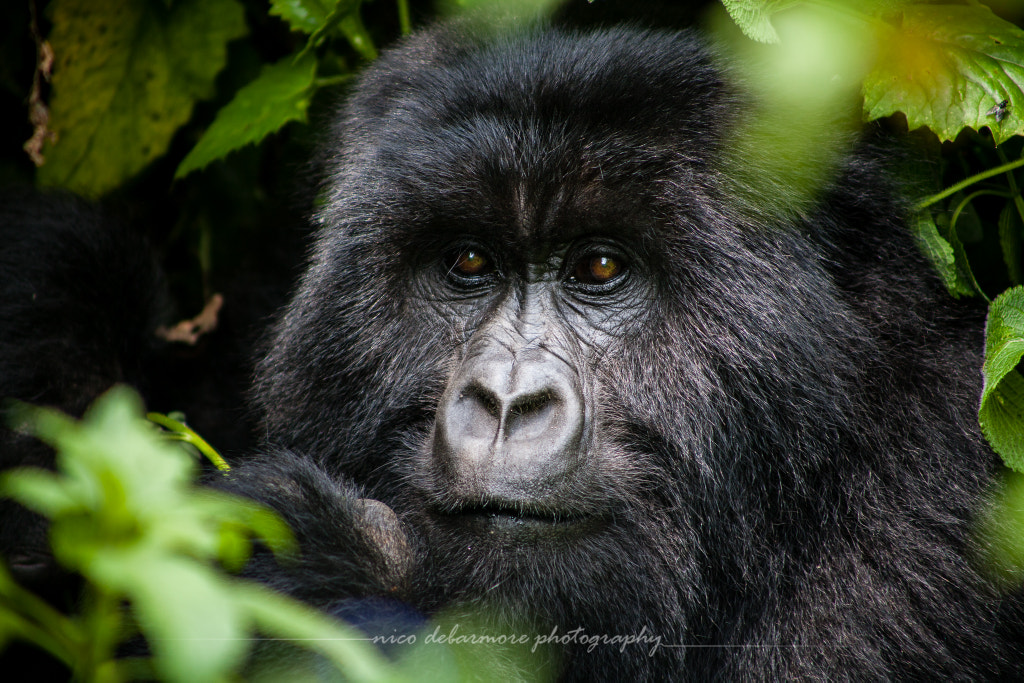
<point x="940" y="252"/>
<point x="39" y="490"/>
<point x="1001" y="533"/>
<point x="280" y="616"/>
<point x="196" y="629"/>
<point x="1002" y="400"/>
<point x="127" y="75"/>
<point x="319" y="19"/>
<point x="948" y="67"/>
<point x="280" y="94"/>
<point x="263" y="522"/>
<point x="754" y="17"/>
<point x="963" y="264"/>
<point x="302" y="15"/>
<point x="127" y="517"/>
<point x="358" y="37"/>
<point x="122" y="485"/>
<point x="804" y="91"/>
<point x="344" y="16"/>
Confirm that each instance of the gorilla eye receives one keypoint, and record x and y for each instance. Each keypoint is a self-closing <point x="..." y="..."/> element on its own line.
<point x="599" y="269"/>
<point x="469" y="267"/>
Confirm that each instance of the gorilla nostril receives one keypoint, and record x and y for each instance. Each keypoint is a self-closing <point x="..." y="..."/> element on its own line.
<point x="524" y="405"/>
<point x="477" y="413"/>
<point x="486" y="399"/>
<point x="530" y="416"/>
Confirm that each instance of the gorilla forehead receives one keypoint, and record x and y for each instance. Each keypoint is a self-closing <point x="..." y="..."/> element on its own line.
<point x="534" y="134"/>
<point x="588" y="83"/>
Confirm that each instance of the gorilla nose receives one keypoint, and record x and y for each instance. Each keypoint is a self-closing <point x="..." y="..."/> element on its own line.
<point x="516" y="418"/>
<point x="510" y="427"/>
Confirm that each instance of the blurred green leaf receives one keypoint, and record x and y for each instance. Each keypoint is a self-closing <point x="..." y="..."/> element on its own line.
<point x="265" y="523"/>
<point x="303" y="15"/>
<point x="190" y="616"/>
<point x="1001" y="533"/>
<point x="280" y="94"/>
<point x="1002" y="400"/>
<point x="43" y="491"/>
<point x="127" y="517"/>
<point x="804" y="111"/>
<point x="127" y="75"/>
<point x="342" y="645"/>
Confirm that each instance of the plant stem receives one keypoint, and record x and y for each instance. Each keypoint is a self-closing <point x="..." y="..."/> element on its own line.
<point x="102" y="622"/>
<point x="180" y="431"/>
<point x="967" y="182"/>
<point x="1012" y="181"/>
<point x="27" y="622"/>
<point x="1010" y="238"/>
<point x="404" y="20"/>
<point x="970" y="198"/>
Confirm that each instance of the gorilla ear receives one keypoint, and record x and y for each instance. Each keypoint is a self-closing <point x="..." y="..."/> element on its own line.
<point x="380" y="525"/>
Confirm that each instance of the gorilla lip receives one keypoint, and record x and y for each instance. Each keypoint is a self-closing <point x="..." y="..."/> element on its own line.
<point x="492" y="515"/>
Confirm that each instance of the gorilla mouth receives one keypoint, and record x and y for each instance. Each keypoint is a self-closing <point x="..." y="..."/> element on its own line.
<point x="511" y="511"/>
<point x="514" y="517"/>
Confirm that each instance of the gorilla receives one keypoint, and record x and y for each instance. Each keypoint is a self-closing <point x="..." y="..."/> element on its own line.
<point x="550" y="364"/>
<point x="598" y="388"/>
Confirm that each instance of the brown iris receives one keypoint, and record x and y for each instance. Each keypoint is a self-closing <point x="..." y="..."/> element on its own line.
<point x="597" y="270"/>
<point x="471" y="262"/>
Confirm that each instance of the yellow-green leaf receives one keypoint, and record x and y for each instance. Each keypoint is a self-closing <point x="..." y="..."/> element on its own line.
<point x="950" y="66"/>
<point x="127" y="75"/>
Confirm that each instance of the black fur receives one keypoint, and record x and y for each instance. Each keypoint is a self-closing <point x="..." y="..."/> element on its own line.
<point x="784" y="457"/>
<point x="80" y="297"/>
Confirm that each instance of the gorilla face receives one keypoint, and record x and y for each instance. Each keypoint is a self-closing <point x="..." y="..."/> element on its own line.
<point x="545" y="325"/>
<point x="520" y="283"/>
<point x="565" y="359"/>
<point x="484" y="308"/>
<point x="514" y="431"/>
